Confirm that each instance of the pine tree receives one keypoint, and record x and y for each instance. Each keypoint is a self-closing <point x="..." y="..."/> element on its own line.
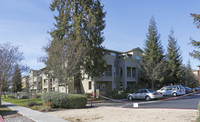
<point x="76" y="39"/>
<point x="190" y="79"/>
<point x="153" y="64"/>
<point x="196" y="44"/>
<point x="16" y="80"/>
<point x="174" y="61"/>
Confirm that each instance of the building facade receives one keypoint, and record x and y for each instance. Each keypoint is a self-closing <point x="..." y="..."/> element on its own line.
<point x="121" y="73"/>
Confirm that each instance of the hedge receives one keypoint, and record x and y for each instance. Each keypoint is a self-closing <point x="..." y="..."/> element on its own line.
<point x="63" y="100"/>
<point x="119" y="96"/>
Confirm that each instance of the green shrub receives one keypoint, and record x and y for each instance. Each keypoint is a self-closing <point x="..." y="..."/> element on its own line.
<point x="63" y="100"/>
<point x="119" y="96"/>
<point x="45" y="109"/>
<point x="31" y="104"/>
<point x="88" y="95"/>
<point x="24" y="97"/>
<point x="36" y="96"/>
<point x="11" y="96"/>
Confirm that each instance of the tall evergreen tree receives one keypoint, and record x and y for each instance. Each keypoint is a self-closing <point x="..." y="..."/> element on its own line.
<point x="190" y="79"/>
<point x="153" y="64"/>
<point x="174" y="61"/>
<point x="16" y="80"/>
<point x="196" y="44"/>
<point x="76" y="39"/>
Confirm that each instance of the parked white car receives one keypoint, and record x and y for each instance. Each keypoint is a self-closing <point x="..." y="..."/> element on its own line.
<point x="173" y="90"/>
<point x="146" y="94"/>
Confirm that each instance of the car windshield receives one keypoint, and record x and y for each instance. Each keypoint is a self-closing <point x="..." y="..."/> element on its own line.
<point x="163" y="88"/>
<point x="150" y="90"/>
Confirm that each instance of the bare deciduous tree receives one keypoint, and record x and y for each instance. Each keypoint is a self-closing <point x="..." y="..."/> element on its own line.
<point x="64" y="58"/>
<point x="9" y="58"/>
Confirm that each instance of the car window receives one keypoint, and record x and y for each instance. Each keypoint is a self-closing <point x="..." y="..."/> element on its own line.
<point x="144" y="91"/>
<point x="150" y="90"/>
<point x="181" y="87"/>
<point x="169" y="88"/>
<point x="138" y="91"/>
<point x="163" y="88"/>
<point x="175" y="87"/>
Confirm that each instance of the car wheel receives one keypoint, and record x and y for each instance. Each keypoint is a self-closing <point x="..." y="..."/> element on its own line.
<point x="174" y="94"/>
<point x="147" y="98"/>
<point x="130" y="98"/>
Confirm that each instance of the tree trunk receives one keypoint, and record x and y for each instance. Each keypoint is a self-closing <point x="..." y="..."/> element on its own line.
<point x="0" y="94"/>
<point x="152" y="85"/>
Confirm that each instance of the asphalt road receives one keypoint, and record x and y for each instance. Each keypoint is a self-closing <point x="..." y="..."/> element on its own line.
<point x="182" y="102"/>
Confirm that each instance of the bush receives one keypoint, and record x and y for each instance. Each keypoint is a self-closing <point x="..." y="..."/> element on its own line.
<point x="24" y="97"/>
<point x="36" y="96"/>
<point x="45" y="109"/>
<point x="11" y="96"/>
<point x="31" y="104"/>
<point x="119" y="96"/>
<point x="63" y="100"/>
<point x="41" y="108"/>
<point x="88" y="95"/>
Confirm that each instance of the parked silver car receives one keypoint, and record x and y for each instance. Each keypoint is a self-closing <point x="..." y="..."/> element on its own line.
<point x="173" y="90"/>
<point x="196" y="89"/>
<point x="146" y="94"/>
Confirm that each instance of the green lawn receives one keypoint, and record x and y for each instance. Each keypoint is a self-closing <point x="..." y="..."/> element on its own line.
<point x="22" y="102"/>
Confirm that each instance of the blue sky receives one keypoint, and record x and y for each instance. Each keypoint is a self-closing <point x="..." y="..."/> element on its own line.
<point x="25" y="23"/>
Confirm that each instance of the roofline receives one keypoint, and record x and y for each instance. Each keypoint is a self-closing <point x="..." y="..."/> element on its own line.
<point x="125" y="51"/>
<point x="113" y="51"/>
<point x="137" y="48"/>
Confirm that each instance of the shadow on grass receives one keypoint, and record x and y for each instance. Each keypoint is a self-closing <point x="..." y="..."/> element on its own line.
<point x="9" y="105"/>
<point x="5" y="111"/>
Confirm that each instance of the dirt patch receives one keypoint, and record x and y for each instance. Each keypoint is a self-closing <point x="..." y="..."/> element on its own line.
<point x="112" y="114"/>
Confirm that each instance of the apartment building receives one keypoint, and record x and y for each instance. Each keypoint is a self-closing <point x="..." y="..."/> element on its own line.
<point x="121" y="73"/>
<point x="24" y="82"/>
<point x="35" y="81"/>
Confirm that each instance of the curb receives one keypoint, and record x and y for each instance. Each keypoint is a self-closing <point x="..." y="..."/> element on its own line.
<point x="180" y="109"/>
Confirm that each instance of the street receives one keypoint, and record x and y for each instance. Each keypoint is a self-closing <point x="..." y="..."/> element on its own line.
<point x="182" y="102"/>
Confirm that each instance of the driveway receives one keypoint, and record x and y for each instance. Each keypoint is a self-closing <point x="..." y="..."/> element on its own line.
<point x="180" y="102"/>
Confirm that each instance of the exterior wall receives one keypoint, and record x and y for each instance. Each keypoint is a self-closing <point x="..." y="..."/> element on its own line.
<point x="197" y="74"/>
<point x="119" y="62"/>
<point x="124" y="79"/>
<point x="35" y="80"/>
<point x="105" y="84"/>
<point x="24" y="82"/>
<point x="85" y="84"/>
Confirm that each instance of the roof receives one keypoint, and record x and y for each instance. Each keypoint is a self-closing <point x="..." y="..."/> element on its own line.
<point x="113" y="51"/>
<point x="134" y="49"/>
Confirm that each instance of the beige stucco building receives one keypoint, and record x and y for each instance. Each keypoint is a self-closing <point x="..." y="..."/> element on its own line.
<point x="121" y="73"/>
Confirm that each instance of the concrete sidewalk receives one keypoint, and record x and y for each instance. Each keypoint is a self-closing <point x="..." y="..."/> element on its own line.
<point x="34" y="115"/>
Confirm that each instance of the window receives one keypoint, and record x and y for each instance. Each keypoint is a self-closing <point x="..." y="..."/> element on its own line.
<point x="45" y="82"/>
<point x="108" y="71"/>
<point x="139" y="91"/>
<point x="128" y="71"/>
<point x="133" y="72"/>
<point x="90" y="85"/>
<point x="169" y="88"/>
<point x="121" y="72"/>
<point x="144" y="91"/>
